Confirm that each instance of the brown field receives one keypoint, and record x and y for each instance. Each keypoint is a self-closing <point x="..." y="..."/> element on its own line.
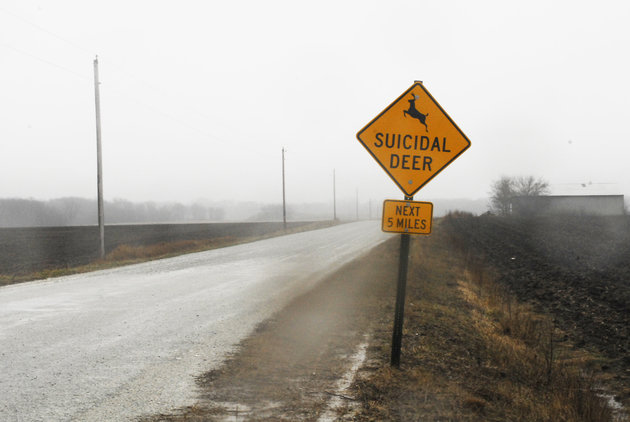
<point x="28" y="252"/>
<point x="576" y="269"/>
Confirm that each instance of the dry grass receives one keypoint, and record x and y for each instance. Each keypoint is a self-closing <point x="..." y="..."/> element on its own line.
<point x="126" y="253"/>
<point x="471" y="352"/>
<point x="542" y="379"/>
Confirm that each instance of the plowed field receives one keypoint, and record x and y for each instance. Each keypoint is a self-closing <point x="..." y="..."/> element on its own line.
<point x="574" y="267"/>
<point x="28" y="250"/>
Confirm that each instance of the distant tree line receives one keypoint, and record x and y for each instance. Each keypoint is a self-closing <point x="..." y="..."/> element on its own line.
<point x="80" y="211"/>
<point x="74" y="211"/>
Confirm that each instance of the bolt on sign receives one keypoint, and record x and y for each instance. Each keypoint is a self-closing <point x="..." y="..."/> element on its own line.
<point x="412" y="217"/>
<point x="413" y="139"/>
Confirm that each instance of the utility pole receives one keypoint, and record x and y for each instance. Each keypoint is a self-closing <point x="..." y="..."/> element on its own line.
<point x="284" y="202"/>
<point x="334" y="197"/>
<point x="99" y="162"/>
<point x="357" y="204"/>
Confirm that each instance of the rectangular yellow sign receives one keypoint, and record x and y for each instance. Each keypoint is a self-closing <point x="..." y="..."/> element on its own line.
<point x="411" y="217"/>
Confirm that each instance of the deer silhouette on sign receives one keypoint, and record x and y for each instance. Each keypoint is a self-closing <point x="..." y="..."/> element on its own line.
<point x="414" y="113"/>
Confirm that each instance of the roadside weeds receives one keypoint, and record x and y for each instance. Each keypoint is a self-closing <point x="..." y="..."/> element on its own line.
<point x="472" y="352"/>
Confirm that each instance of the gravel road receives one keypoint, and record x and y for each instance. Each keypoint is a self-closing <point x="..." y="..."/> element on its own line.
<point x="117" y="344"/>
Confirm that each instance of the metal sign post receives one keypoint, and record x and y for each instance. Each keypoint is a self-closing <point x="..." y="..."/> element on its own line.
<point x="413" y="140"/>
<point x="406" y="217"/>
<point x="401" y="288"/>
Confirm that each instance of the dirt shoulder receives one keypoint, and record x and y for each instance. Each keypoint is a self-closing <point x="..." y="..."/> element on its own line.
<point x="289" y="369"/>
<point x="470" y="351"/>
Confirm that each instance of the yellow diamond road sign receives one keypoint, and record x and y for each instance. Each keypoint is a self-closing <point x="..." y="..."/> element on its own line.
<point x="413" y="139"/>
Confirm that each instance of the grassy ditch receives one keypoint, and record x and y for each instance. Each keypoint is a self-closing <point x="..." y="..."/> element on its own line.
<point x="126" y="254"/>
<point x="472" y="352"/>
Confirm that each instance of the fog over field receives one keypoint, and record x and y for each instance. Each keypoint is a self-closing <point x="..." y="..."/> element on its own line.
<point x="80" y="212"/>
<point x="199" y="98"/>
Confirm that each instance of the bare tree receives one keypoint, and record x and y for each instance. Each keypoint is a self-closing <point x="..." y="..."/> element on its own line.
<point x="529" y="186"/>
<point x="503" y="190"/>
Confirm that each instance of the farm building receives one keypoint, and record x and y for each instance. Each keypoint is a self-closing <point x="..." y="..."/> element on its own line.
<point x="568" y="204"/>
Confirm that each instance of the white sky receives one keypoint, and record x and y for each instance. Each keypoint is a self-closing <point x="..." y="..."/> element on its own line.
<point x="199" y="97"/>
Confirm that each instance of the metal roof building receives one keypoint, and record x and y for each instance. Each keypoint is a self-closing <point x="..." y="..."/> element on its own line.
<point x="568" y="204"/>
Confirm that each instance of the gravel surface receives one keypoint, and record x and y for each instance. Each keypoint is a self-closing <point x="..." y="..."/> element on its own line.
<point x="117" y="344"/>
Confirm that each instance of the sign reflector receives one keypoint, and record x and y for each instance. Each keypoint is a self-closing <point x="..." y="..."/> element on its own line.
<point x="410" y="217"/>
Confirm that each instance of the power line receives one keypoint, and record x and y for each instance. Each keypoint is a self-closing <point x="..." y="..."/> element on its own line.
<point x="34" y="25"/>
<point x="111" y="63"/>
<point x="48" y="62"/>
<point x="163" y="113"/>
<point x="584" y="184"/>
<point x="113" y="91"/>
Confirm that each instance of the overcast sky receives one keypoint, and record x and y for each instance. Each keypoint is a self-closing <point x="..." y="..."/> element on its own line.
<point x="199" y="97"/>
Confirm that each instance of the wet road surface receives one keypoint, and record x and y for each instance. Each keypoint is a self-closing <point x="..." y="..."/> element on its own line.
<point x="116" y="344"/>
